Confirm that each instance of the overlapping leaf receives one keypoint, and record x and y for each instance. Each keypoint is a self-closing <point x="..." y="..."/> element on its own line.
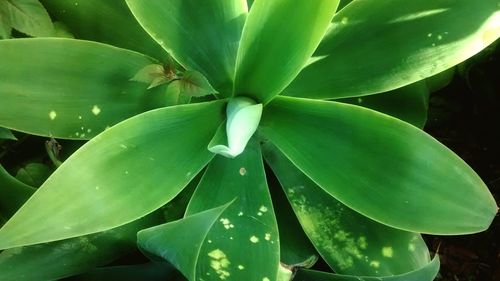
<point x="109" y="22"/>
<point x="55" y="260"/>
<point x="27" y="16"/>
<point x="247" y="226"/>
<point x="376" y="46"/>
<point x="278" y="39"/>
<point x="151" y="156"/>
<point x="180" y="242"/>
<point x="73" y="89"/>
<point x="372" y="162"/>
<point x="349" y="242"/>
<point x="426" y="273"/>
<point x="409" y="103"/>
<point x="200" y="35"/>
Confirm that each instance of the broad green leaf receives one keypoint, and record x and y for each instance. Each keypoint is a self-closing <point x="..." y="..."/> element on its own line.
<point x="409" y="103"/>
<point x="13" y="193"/>
<point x="152" y="156"/>
<point x="180" y="242"/>
<point x="109" y="22"/>
<point x="349" y="242"/>
<point x="6" y="134"/>
<point x="153" y="271"/>
<point x="27" y="16"/>
<point x="33" y="174"/>
<point x="246" y="234"/>
<point x="68" y="88"/>
<point x="55" y="260"/>
<point x="426" y="273"/>
<point x="278" y="39"/>
<point x="200" y="35"/>
<point x="377" y="46"/>
<point x="379" y="166"/>
<point x="295" y="248"/>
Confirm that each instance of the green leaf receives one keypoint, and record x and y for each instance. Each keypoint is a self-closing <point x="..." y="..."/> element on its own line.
<point x="409" y="103"/>
<point x="180" y="242"/>
<point x="349" y="242"/>
<point x="379" y="166"/>
<point x="295" y="248"/>
<point x="246" y="232"/>
<point x="377" y="46"/>
<point x="69" y="88"/>
<point x="278" y="39"/>
<point x="13" y="193"/>
<point x="27" y="16"/>
<point x="55" y="260"/>
<point x="109" y="22"/>
<point x="33" y="174"/>
<point x="152" y="156"/>
<point x="200" y="35"/>
<point x="426" y="273"/>
<point x="5" y="25"/>
<point x="6" y="134"/>
<point x="243" y="116"/>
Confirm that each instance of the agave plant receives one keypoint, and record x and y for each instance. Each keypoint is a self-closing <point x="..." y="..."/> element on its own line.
<point x="259" y="81"/>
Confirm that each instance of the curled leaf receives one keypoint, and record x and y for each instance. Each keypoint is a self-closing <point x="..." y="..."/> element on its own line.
<point x="243" y="117"/>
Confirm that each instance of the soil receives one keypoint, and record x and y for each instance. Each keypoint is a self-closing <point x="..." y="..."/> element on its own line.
<point x="465" y="116"/>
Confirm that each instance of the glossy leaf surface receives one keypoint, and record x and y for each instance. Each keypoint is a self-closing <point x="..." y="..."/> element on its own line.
<point x="349" y="242"/>
<point x="55" y="260"/>
<point x="109" y="22"/>
<point x="373" y="163"/>
<point x="27" y="16"/>
<point x="247" y="226"/>
<point x="134" y="162"/>
<point x="69" y="88"/>
<point x="409" y="103"/>
<point x="180" y="242"/>
<point x="354" y="58"/>
<point x="426" y="273"/>
<point x="278" y="39"/>
<point x="200" y="35"/>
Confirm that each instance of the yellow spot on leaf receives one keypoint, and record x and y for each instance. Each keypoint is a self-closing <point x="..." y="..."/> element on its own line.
<point x="254" y="239"/>
<point x="387" y="252"/>
<point x="96" y="110"/>
<point x="52" y="115"/>
<point x="375" y="264"/>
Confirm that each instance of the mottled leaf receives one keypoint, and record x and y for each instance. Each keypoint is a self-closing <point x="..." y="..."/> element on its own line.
<point x="379" y="166"/>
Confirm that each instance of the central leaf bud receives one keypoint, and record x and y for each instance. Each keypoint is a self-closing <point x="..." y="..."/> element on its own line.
<point x="243" y="117"/>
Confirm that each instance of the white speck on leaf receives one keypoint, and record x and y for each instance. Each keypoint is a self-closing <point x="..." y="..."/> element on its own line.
<point x="52" y="115"/>
<point x="243" y="171"/>
<point x="254" y="239"/>
<point x="96" y="110"/>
